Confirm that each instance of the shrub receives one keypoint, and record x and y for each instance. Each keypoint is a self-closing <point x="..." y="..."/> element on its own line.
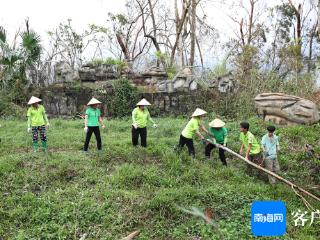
<point x="123" y="100"/>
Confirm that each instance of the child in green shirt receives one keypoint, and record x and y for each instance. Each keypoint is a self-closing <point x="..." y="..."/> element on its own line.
<point x="219" y="133"/>
<point x="37" y="122"/>
<point x="251" y="146"/>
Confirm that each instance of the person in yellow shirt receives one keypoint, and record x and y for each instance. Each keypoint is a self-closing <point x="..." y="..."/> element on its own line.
<point x="193" y="128"/>
<point x="140" y="119"/>
<point x="37" y="122"/>
<point x="251" y="146"/>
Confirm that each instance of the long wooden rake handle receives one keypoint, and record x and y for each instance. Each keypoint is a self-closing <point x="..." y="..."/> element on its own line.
<point x="291" y="184"/>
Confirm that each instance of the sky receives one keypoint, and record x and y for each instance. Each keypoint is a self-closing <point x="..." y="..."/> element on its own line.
<point x="45" y="15"/>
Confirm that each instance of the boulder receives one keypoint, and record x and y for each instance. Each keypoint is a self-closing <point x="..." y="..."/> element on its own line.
<point x="64" y="73"/>
<point x="286" y="109"/>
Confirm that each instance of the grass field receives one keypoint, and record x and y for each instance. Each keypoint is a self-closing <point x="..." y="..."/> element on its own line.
<point x="68" y="195"/>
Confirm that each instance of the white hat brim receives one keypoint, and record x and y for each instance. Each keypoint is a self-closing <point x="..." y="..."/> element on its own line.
<point x="199" y="112"/>
<point x="34" y="100"/>
<point x="217" y="123"/>
<point x="143" y="102"/>
<point x="93" y="101"/>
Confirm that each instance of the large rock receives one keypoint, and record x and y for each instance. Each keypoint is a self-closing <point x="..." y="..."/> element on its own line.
<point x="93" y="73"/>
<point x="64" y="73"/>
<point x="286" y="109"/>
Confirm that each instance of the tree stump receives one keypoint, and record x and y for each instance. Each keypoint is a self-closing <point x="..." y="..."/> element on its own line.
<point x="286" y="109"/>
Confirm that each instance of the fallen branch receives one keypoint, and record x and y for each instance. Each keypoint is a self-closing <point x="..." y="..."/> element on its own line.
<point x="131" y="235"/>
<point x="292" y="185"/>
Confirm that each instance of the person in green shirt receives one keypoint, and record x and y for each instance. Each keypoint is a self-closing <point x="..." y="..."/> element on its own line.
<point x="192" y="128"/>
<point x="251" y="145"/>
<point x="140" y="119"/>
<point x="219" y="133"/>
<point x="37" y="122"/>
<point x="92" y="121"/>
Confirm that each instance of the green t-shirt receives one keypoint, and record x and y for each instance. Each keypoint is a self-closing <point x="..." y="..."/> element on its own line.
<point x="191" y="128"/>
<point x="248" y="138"/>
<point x="140" y="117"/>
<point x="37" y="116"/>
<point x="220" y="134"/>
<point x="93" y="116"/>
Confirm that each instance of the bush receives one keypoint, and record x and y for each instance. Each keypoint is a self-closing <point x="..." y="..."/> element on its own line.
<point x="123" y="100"/>
<point x="9" y="109"/>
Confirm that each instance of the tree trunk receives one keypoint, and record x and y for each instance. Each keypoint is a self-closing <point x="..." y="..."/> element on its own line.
<point x="180" y="26"/>
<point x="193" y="31"/>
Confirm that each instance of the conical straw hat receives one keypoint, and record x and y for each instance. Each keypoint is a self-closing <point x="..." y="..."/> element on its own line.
<point x="198" y="112"/>
<point x="217" y="123"/>
<point x="34" y="100"/>
<point x="94" y="101"/>
<point x="143" y="102"/>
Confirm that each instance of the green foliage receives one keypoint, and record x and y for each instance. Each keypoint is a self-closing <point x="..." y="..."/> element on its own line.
<point x="8" y="109"/>
<point x="67" y="194"/>
<point x="119" y="64"/>
<point x="220" y="69"/>
<point x="122" y="102"/>
<point x="15" y="61"/>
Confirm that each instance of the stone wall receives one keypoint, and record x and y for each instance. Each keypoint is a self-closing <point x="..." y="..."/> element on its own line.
<point x="63" y="101"/>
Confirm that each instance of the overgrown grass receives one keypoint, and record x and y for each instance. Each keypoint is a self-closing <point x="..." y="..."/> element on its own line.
<point x="66" y="194"/>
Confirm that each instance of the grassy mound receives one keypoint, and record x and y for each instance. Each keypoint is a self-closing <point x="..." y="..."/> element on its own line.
<point x="67" y="194"/>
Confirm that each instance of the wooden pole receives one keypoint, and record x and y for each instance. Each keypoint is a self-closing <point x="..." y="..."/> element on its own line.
<point x="292" y="185"/>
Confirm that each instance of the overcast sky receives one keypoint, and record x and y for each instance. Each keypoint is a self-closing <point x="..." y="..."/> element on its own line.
<point x="45" y="15"/>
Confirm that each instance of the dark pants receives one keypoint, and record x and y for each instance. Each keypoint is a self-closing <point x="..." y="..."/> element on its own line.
<point x="257" y="159"/>
<point x="35" y="136"/>
<point x="222" y="156"/>
<point x="186" y="141"/>
<point x="96" y="131"/>
<point x="143" y="136"/>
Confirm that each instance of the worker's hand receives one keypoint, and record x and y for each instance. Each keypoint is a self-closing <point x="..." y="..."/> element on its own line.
<point x="29" y="130"/>
<point x="102" y="126"/>
<point x="85" y="129"/>
<point x="135" y="125"/>
<point x="224" y="144"/>
<point x="48" y="125"/>
<point x="240" y="152"/>
<point x="155" y="125"/>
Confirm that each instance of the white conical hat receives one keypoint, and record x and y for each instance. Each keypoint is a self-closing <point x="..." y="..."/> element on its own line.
<point x="217" y="123"/>
<point x="143" y="102"/>
<point x="93" y="101"/>
<point x="198" y="112"/>
<point x="34" y="100"/>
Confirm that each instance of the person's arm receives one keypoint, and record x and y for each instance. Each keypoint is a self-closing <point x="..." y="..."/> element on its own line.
<point x="278" y="145"/>
<point x="45" y="117"/>
<point x="199" y="135"/>
<point x="204" y="129"/>
<point x="150" y="118"/>
<point x="225" y="138"/>
<point x="248" y="150"/>
<point x="29" y="120"/>
<point x="134" y="121"/>
<point x="101" y="122"/>
<point x="29" y="123"/>
<point x="241" y="149"/>
<point x="86" y="123"/>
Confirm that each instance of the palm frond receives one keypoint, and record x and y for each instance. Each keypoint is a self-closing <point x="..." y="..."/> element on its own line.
<point x="3" y="34"/>
<point x="31" y="45"/>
